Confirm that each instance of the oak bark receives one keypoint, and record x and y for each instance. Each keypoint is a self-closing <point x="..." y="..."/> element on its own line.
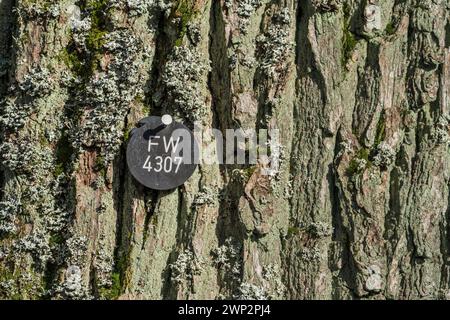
<point x="359" y="89"/>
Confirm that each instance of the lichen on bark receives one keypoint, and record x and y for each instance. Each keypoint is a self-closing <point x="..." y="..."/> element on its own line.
<point x="358" y="209"/>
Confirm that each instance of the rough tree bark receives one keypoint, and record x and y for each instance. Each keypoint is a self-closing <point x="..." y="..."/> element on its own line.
<point x="360" y="91"/>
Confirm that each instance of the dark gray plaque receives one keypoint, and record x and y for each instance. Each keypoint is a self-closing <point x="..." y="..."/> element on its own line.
<point x="161" y="156"/>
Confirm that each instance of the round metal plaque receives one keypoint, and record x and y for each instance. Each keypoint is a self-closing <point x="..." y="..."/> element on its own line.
<point x="160" y="153"/>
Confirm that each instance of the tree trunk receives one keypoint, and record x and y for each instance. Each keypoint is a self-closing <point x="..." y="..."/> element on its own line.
<point x="359" y="89"/>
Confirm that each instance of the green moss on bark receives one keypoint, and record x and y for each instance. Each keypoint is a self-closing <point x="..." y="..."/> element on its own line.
<point x="184" y="11"/>
<point x="380" y="133"/>
<point x="360" y="162"/>
<point x="349" y="40"/>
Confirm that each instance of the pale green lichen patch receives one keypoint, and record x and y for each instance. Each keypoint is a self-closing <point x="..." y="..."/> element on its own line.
<point x="39" y="9"/>
<point x="102" y="127"/>
<point x="249" y="291"/>
<point x="228" y="259"/>
<point x="274" y="46"/>
<point x="10" y="210"/>
<point x="186" y="266"/>
<point x="182" y="78"/>
<point x="244" y="9"/>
